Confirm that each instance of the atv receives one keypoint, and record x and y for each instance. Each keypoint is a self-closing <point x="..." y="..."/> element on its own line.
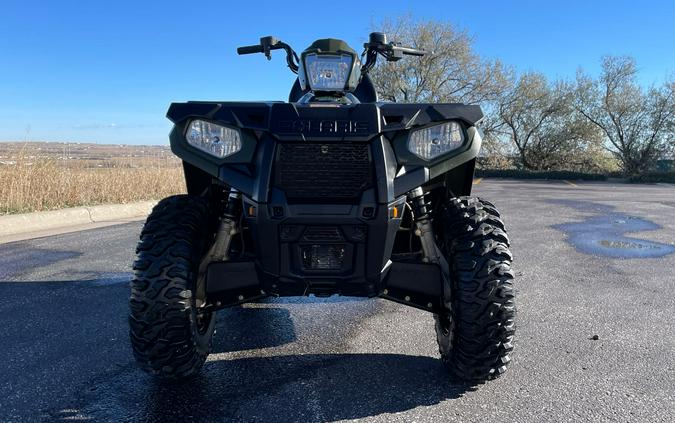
<point x="330" y="193"/>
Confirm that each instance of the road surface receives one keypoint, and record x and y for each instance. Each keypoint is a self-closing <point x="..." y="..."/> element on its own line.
<point x="595" y="342"/>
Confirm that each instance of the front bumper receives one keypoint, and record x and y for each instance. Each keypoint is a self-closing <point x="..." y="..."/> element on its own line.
<point x="323" y="249"/>
<point x="364" y="238"/>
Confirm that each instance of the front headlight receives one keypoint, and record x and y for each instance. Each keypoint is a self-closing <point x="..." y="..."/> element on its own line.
<point x="328" y="72"/>
<point x="429" y="143"/>
<point x="217" y="140"/>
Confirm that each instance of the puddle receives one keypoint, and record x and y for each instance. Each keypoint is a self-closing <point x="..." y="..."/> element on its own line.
<point x="604" y="234"/>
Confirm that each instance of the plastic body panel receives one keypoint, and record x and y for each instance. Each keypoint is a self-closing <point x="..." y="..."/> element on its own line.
<point x="264" y="124"/>
<point x="277" y="226"/>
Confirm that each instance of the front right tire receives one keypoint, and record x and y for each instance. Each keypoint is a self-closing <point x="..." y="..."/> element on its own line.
<point x="170" y="336"/>
<point x="475" y="337"/>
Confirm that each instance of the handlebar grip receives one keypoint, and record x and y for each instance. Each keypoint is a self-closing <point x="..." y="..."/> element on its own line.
<point x="250" y="49"/>
<point x="412" y="51"/>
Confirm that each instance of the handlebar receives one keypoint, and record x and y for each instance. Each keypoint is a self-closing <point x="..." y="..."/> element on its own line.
<point x="376" y="45"/>
<point x="250" y="49"/>
<point x="410" y="51"/>
<point x="269" y="43"/>
<point x="379" y="45"/>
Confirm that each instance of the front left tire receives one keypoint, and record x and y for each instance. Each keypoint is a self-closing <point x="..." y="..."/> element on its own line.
<point x="475" y="337"/>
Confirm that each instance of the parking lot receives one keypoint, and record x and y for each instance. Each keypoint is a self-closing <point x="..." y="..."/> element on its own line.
<point x="595" y="266"/>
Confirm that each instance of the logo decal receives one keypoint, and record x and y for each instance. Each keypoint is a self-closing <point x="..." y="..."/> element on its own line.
<point x="324" y="127"/>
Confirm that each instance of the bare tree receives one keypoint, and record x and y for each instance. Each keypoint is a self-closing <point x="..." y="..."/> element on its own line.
<point x="539" y="121"/>
<point x="636" y="123"/>
<point x="450" y="72"/>
<point x="525" y="110"/>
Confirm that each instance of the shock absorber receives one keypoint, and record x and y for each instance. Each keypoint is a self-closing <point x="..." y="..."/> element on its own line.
<point x="219" y="251"/>
<point x="227" y="228"/>
<point x="422" y="210"/>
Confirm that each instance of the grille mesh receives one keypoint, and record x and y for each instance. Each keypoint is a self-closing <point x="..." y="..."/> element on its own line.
<point x="312" y="172"/>
<point x="322" y="233"/>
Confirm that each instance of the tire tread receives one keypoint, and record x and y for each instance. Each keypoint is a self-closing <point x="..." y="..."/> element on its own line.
<point x="162" y="324"/>
<point x="483" y="298"/>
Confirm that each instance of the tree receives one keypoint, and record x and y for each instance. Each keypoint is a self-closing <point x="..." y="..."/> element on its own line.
<point x="449" y="72"/>
<point x="526" y="110"/>
<point x="636" y="123"/>
<point x="539" y="121"/>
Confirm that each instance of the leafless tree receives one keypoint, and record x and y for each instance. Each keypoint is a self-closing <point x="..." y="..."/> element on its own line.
<point x="637" y="123"/>
<point x="450" y="72"/>
<point x="539" y="120"/>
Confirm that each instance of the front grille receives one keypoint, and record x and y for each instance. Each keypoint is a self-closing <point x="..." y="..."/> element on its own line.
<point x="322" y="173"/>
<point x="322" y="233"/>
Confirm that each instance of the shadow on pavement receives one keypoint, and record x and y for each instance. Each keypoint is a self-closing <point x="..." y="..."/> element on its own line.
<point x="239" y="329"/>
<point x="96" y="379"/>
<point x="319" y="387"/>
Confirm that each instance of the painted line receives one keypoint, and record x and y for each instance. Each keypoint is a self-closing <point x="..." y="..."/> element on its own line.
<point x="477" y="181"/>
<point x="570" y="183"/>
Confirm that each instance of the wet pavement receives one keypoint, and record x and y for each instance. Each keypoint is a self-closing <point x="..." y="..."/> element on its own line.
<point x="595" y="337"/>
<point x="604" y="231"/>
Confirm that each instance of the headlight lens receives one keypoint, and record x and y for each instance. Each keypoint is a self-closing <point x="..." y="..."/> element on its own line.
<point x="217" y="140"/>
<point x="328" y="72"/>
<point x="429" y="143"/>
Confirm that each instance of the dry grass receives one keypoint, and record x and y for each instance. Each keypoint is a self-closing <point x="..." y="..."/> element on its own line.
<point x="30" y="182"/>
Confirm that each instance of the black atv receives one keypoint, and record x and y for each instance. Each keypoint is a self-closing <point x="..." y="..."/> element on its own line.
<point x="330" y="193"/>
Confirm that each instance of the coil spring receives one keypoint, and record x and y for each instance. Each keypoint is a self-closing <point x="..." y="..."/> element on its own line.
<point x="421" y="204"/>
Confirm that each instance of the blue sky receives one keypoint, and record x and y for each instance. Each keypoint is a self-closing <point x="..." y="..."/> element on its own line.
<point x="105" y="71"/>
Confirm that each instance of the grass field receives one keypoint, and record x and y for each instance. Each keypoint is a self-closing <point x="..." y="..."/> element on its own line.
<point x="39" y="176"/>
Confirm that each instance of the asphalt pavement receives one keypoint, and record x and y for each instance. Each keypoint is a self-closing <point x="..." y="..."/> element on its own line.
<point x="595" y="266"/>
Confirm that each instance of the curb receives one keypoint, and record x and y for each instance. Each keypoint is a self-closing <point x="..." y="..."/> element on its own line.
<point x="15" y="224"/>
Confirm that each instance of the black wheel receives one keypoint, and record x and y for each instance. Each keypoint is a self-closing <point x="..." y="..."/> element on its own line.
<point x="170" y="337"/>
<point x="475" y="338"/>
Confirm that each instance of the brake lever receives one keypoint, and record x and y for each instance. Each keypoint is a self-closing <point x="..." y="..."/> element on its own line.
<point x="268" y="44"/>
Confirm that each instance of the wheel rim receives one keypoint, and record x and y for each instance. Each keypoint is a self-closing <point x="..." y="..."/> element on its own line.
<point x="445" y="323"/>
<point x="204" y="321"/>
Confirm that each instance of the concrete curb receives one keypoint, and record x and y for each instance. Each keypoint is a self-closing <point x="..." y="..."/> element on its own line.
<point x="15" y="224"/>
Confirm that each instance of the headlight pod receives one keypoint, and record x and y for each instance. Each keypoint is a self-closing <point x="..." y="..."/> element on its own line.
<point x="328" y="72"/>
<point x="216" y="140"/>
<point x="429" y="143"/>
